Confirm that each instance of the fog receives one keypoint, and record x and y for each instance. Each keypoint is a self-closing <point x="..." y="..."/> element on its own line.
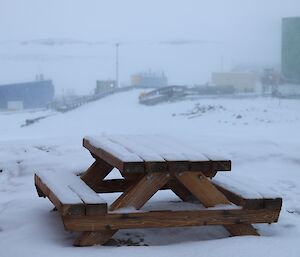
<point x="105" y="103"/>
<point x="73" y="42"/>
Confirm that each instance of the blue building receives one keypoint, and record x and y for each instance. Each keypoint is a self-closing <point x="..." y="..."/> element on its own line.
<point x="28" y="95"/>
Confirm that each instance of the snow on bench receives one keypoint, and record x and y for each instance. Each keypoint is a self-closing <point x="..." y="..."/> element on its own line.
<point x="69" y="194"/>
<point x="246" y="192"/>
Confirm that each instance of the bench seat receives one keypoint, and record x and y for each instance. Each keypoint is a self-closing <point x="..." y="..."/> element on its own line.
<point x="246" y="192"/>
<point x="69" y="194"/>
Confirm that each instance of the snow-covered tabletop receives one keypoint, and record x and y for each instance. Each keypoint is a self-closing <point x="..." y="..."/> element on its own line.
<point x="161" y="150"/>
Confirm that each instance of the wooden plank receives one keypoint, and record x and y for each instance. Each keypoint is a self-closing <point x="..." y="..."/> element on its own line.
<point x="153" y="161"/>
<point x="199" y="185"/>
<point x="96" y="173"/>
<point x="152" y="142"/>
<point x="178" y="153"/>
<point x="134" y="167"/>
<point x="221" y="165"/>
<point x="176" y="161"/>
<point x="163" y="219"/>
<point x="241" y="230"/>
<point x="250" y="203"/>
<point x="90" y="238"/>
<point x="139" y="193"/>
<point x="56" y="183"/>
<point x="113" y="185"/>
<point x="63" y="208"/>
<point x="70" y="194"/>
<point x="180" y="190"/>
<point x="180" y="147"/>
<point x="121" y="185"/>
<point x="144" y="152"/>
<point x="115" y="149"/>
<point x="93" y="202"/>
<point x="210" y="167"/>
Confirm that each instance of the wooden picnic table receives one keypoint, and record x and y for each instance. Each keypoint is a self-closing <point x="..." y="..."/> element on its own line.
<point x="148" y="164"/>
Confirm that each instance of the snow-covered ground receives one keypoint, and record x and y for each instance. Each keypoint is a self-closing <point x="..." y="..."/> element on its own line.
<point x="259" y="135"/>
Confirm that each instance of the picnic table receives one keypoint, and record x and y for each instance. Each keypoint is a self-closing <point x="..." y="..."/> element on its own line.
<point x="149" y="164"/>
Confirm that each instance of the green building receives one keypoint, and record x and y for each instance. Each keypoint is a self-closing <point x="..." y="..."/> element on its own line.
<point x="105" y="86"/>
<point x="290" y="57"/>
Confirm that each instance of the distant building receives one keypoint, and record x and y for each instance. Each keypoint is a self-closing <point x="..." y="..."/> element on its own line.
<point x="241" y="82"/>
<point x="149" y="79"/>
<point x="288" y="91"/>
<point x="290" y="55"/>
<point x="105" y="86"/>
<point x="28" y="95"/>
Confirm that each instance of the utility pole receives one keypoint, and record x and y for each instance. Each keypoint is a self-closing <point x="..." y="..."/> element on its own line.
<point x="117" y="64"/>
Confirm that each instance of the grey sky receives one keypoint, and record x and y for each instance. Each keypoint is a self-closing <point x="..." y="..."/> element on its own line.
<point x="248" y="29"/>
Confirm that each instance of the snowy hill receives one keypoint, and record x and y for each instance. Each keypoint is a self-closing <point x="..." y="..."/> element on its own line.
<point x="260" y="136"/>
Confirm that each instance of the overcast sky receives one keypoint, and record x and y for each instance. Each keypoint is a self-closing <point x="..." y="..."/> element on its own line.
<point x="248" y="31"/>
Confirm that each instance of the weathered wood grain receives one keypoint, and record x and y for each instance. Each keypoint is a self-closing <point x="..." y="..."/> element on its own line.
<point x="208" y="167"/>
<point x="253" y="204"/>
<point x="84" y="207"/>
<point x="134" y="167"/>
<point x="241" y="230"/>
<point x="200" y="186"/>
<point x="96" y="173"/>
<point x="90" y="238"/>
<point x="139" y="193"/>
<point x="180" y="190"/>
<point x="163" y="219"/>
<point x="64" y="209"/>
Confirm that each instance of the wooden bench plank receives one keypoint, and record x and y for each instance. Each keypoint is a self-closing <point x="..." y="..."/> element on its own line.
<point x="248" y="188"/>
<point x="242" y="198"/>
<point x="58" y="186"/>
<point x="163" y="219"/>
<point x="64" y="208"/>
<point x="70" y="194"/>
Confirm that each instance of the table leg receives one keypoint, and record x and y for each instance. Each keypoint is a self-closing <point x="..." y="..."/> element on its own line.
<point x="180" y="190"/>
<point x="140" y="192"/>
<point x="201" y="187"/>
<point x="96" y="173"/>
<point x="92" y="238"/>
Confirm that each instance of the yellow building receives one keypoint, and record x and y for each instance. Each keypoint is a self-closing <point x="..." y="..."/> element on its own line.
<point x="242" y="82"/>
